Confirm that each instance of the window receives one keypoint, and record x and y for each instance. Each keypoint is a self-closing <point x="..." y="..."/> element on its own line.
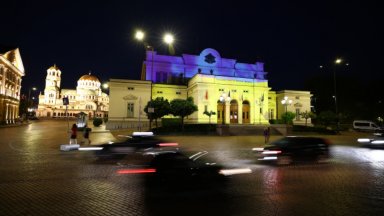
<point x="297" y="97"/>
<point x="234" y="90"/>
<point x="178" y="93"/>
<point x="221" y="90"/>
<point x="245" y="91"/>
<point x="131" y="88"/>
<point x="206" y="108"/>
<point x="159" y="92"/>
<point x="130" y="109"/>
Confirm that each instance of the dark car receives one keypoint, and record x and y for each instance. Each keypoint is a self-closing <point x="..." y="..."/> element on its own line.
<point x="176" y="167"/>
<point x="139" y="141"/>
<point x="295" y="149"/>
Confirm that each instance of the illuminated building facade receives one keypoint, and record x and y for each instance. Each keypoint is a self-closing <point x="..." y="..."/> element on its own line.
<point x="207" y="77"/>
<point x="11" y="73"/>
<point x="87" y="97"/>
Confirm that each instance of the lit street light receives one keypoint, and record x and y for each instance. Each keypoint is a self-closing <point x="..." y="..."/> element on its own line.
<point x="337" y="62"/>
<point x="223" y="98"/>
<point x="29" y="101"/>
<point x="285" y="103"/>
<point x="169" y="39"/>
<point x="139" y="35"/>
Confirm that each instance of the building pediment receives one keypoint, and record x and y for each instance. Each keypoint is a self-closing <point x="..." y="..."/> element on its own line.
<point x="130" y="97"/>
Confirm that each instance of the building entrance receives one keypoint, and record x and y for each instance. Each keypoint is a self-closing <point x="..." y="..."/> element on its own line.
<point x="246" y="116"/>
<point x="234" y="112"/>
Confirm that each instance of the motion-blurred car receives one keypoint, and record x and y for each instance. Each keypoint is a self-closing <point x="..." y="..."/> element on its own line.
<point x="294" y="149"/>
<point x="139" y="141"/>
<point x="375" y="142"/>
<point x="171" y="167"/>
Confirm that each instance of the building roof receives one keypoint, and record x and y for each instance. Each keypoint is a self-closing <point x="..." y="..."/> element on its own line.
<point x="89" y="77"/>
<point x="54" y="67"/>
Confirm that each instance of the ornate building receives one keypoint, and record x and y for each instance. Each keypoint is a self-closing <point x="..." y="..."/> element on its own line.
<point x="87" y="97"/>
<point x="11" y="71"/>
<point x="237" y="92"/>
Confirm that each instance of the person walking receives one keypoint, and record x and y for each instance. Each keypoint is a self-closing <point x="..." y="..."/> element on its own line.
<point x="267" y="134"/>
<point x="86" y="132"/>
<point x="73" y="139"/>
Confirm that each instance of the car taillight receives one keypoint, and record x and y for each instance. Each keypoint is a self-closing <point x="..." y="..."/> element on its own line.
<point x="136" y="171"/>
<point x="268" y="152"/>
<point x="167" y="144"/>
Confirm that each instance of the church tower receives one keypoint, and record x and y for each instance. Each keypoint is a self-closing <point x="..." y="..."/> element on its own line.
<point x="52" y="85"/>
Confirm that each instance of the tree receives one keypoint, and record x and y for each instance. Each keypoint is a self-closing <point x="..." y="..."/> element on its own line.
<point x="183" y="108"/>
<point x="288" y="117"/>
<point x="326" y="118"/>
<point x="209" y="114"/>
<point x="160" y="107"/>
<point x="306" y="115"/>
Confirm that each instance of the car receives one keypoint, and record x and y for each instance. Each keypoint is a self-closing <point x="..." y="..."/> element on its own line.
<point x="366" y="125"/>
<point x="294" y="149"/>
<point x="139" y="141"/>
<point x="173" y="167"/>
<point x="373" y="142"/>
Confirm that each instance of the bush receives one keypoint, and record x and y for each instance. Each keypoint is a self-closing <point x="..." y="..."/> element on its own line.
<point x="105" y="119"/>
<point x="321" y="130"/>
<point x="276" y="121"/>
<point x="193" y="129"/>
<point x="165" y="122"/>
<point x="97" y="122"/>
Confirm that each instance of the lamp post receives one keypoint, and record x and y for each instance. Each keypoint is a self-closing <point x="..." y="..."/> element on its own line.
<point x="223" y="98"/>
<point x="337" y="62"/>
<point x="285" y="103"/>
<point x="29" y="100"/>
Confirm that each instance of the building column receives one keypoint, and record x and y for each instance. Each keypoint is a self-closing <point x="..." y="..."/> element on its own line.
<point x="227" y="112"/>
<point x="240" y="112"/>
<point x="14" y="114"/>
<point x="6" y="113"/>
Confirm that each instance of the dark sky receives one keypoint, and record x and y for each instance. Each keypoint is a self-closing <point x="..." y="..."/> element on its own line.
<point x="292" y="38"/>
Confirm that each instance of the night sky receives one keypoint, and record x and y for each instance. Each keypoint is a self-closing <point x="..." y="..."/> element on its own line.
<point x="293" y="39"/>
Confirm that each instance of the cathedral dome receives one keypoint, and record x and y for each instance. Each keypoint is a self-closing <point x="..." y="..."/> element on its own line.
<point x="89" y="77"/>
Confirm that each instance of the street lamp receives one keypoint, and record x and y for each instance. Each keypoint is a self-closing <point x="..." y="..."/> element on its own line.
<point x="169" y="39"/>
<point x="285" y="103"/>
<point x="223" y="98"/>
<point x="338" y="61"/>
<point x="29" y="100"/>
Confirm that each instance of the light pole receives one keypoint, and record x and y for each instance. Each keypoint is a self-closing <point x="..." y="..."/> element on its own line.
<point x="29" y="100"/>
<point x="337" y="62"/>
<point x="223" y="98"/>
<point x="285" y="103"/>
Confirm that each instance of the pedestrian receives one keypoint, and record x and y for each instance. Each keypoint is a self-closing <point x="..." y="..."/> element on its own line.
<point x="73" y="139"/>
<point x="86" y="132"/>
<point x="267" y="134"/>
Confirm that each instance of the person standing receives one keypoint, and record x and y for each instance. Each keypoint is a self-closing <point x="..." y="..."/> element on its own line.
<point x="267" y="134"/>
<point x="86" y="132"/>
<point x="73" y="139"/>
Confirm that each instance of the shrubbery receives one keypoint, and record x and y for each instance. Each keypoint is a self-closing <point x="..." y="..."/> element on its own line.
<point x="97" y="122"/>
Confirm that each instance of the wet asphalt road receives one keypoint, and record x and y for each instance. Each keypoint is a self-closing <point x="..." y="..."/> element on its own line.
<point x="36" y="178"/>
